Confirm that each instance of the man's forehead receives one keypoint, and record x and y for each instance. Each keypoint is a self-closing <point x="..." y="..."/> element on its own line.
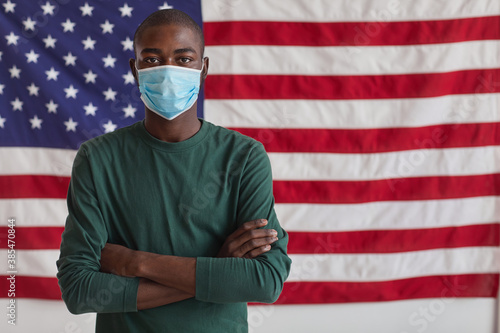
<point x="168" y="34"/>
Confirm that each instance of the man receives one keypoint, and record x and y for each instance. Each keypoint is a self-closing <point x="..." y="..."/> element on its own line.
<point x="171" y="224"/>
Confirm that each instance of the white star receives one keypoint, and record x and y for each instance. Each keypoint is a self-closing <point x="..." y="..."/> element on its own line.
<point x="88" y="43"/>
<point x="52" y="74"/>
<point x="2" y="86"/>
<point x="9" y="6"/>
<point x="86" y="10"/>
<point x="128" y="44"/>
<point x="32" y="56"/>
<point x="90" y="109"/>
<point x="50" y="42"/>
<point x="107" y="27"/>
<point x="69" y="59"/>
<point x="17" y="104"/>
<point x="90" y="76"/>
<point x="33" y="90"/>
<point x="2" y="121"/>
<point x="71" y="92"/>
<point x="36" y="122"/>
<point x="129" y="111"/>
<point x="165" y="6"/>
<point x="51" y="107"/>
<point x="68" y="26"/>
<point x="12" y="38"/>
<point x="109" y="94"/>
<point x="29" y="24"/>
<point x="129" y="78"/>
<point x="109" y="127"/>
<point x="14" y="72"/>
<point x="70" y="125"/>
<point x="48" y="9"/>
<point x="109" y="61"/>
<point x="126" y="10"/>
<point x="1" y="54"/>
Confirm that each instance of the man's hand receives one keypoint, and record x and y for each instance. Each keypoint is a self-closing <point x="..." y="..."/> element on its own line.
<point x="118" y="260"/>
<point x="248" y="241"/>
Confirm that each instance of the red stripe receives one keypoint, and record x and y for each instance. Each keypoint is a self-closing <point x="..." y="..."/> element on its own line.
<point x="449" y="286"/>
<point x="32" y="238"/>
<point x="353" y="86"/>
<point x="377" y="140"/>
<point x="417" y="188"/>
<point x="31" y="287"/>
<point x="33" y="186"/>
<point x="471" y="285"/>
<point x="390" y="241"/>
<point x="351" y="33"/>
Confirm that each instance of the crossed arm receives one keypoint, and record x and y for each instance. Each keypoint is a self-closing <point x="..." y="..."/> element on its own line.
<point x="167" y="279"/>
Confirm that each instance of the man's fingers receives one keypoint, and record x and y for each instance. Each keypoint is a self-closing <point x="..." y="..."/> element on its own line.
<point x="247" y="226"/>
<point x="257" y="252"/>
<point x="256" y="244"/>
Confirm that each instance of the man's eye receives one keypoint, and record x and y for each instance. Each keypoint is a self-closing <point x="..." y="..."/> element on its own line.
<point x="151" y="60"/>
<point x="185" y="60"/>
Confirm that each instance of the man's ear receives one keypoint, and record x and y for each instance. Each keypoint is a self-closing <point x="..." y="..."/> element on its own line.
<point x="204" y="72"/>
<point x="131" y="62"/>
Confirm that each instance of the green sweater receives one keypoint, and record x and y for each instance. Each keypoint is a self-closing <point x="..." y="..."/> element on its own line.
<point x="181" y="199"/>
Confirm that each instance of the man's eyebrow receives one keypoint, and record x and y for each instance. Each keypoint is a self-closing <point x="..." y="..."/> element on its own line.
<point x="184" y="50"/>
<point x="151" y="50"/>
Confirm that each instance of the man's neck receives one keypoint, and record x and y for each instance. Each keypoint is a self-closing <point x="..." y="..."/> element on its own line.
<point x="179" y="129"/>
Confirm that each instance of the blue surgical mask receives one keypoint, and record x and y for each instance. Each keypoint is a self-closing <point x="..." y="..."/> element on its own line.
<point x="169" y="90"/>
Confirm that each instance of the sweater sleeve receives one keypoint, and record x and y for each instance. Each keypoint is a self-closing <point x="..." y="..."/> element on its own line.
<point x="261" y="279"/>
<point x="84" y="288"/>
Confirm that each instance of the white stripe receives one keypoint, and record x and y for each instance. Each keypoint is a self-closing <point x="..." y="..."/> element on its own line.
<point x="345" y="10"/>
<point x="329" y="267"/>
<point x="389" y="215"/>
<point x="32" y="262"/>
<point x="364" y="216"/>
<point x="393" y="266"/>
<point x="35" y="212"/>
<point x="45" y="316"/>
<point x="376" y="166"/>
<point x="39" y="161"/>
<point x="352" y="114"/>
<point x="441" y="315"/>
<point x="369" y="60"/>
<point x="434" y="315"/>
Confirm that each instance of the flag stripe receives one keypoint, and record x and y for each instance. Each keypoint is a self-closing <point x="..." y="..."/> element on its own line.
<point x="31" y="287"/>
<point x="344" y="10"/>
<point x="371" y="60"/>
<point x="31" y="238"/>
<point x="392" y="266"/>
<point x="351" y="114"/>
<point x="375" y="140"/>
<point x="467" y="285"/>
<point x="351" y="87"/>
<point x="389" y="241"/>
<point x="33" y="186"/>
<point x="327" y="266"/>
<point x="35" y="212"/>
<point x="351" y="33"/>
<point x="415" y="163"/>
<point x="438" y="187"/>
<point x="375" y="241"/>
<point x="383" y="215"/>
<point x="348" y="217"/>
<point x="417" y="188"/>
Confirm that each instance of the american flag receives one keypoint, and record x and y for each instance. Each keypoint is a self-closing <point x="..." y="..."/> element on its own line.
<point x="381" y="120"/>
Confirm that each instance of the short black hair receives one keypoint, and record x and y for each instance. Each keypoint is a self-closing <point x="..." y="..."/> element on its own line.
<point x="170" y="16"/>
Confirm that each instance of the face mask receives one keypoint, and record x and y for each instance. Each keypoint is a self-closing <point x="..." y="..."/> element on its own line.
<point x="169" y="90"/>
